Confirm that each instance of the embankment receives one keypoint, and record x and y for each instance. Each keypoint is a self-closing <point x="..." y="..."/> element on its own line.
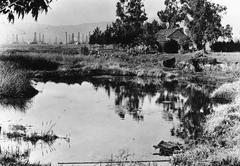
<point x="220" y="142"/>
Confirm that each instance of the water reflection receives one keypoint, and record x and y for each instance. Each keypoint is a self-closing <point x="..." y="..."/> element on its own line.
<point x="129" y="96"/>
<point x="190" y="104"/>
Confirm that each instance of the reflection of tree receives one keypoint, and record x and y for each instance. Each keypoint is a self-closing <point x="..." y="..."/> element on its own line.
<point x="18" y="104"/>
<point x="129" y="94"/>
<point x="192" y="116"/>
<point x="189" y="103"/>
<point x="192" y="104"/>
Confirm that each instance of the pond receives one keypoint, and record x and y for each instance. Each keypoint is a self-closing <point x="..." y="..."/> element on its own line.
<point x="102" y="117"/>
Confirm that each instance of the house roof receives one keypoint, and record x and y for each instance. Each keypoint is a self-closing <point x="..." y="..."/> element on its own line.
<point x="164" y="34"/>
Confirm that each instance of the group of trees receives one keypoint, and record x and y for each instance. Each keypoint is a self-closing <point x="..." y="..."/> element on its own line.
<point x="201" y="17"/>
<point x="128" y="29"/>
<point x="116" y="34"/>
<point x="226" y="46"/>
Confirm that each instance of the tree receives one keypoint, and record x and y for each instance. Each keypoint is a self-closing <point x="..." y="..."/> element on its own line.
<point x="20" y="8"/>
<point x="172" y="15"/>
<point x="203" y="19"/>
<point x="96" y="37"/>
<point x="150" y="29"/>
<point x="131" y="16"/>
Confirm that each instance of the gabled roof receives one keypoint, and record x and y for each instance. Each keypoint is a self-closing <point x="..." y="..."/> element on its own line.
<point x="163" y="34"/>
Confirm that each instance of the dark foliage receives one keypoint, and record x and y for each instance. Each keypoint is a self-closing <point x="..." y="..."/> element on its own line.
<point x="171" y="46"/>
<point x="226" y="46"/>
<point x="20" y="8"/>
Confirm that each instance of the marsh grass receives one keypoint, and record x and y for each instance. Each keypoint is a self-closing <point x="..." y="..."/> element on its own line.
<point x="29" y="62"/>
<point x="20" y="133"/>
<point x="14" y="83"/>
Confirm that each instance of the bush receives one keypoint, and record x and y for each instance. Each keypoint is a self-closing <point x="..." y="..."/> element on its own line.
<point x="171" y="46"/>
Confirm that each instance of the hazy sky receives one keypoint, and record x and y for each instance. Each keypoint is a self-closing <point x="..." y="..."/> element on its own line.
<point x="65" y="12"/>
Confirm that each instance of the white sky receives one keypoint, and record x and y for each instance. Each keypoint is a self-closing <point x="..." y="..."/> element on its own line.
<point x="65" y="12"/>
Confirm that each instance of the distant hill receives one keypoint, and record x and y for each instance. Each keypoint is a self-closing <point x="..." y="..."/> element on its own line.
<point x="26" y="31"/>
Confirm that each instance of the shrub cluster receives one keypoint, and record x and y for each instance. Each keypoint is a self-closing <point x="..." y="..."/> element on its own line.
<point x="226" y="46"/>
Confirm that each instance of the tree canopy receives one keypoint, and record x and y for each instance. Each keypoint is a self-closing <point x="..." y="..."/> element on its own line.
<point x="130" y="17"/>
<point x="203" y="19"/>
<point x="20" y="8"/>
<point x="172" y="15"/>
<point x="128" y="28"/>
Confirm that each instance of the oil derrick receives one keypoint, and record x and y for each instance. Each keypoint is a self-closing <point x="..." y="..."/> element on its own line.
<point x="78" y="38"/>
<point x="13" y="38"/>
<point x="69" y="38"/>
<point x="73" y="41"/>
<point x="34" y="38"/>
<point x="39" y="38"/>
<point x="56" y="41"/>
<point x="83" y="38"/>
<point x="86" y="39"/>
<point x="43" y="40"/>
<point x="66" y="38"/>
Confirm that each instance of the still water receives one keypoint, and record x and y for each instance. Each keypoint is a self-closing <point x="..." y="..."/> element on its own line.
<point x="102" y="117"/>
